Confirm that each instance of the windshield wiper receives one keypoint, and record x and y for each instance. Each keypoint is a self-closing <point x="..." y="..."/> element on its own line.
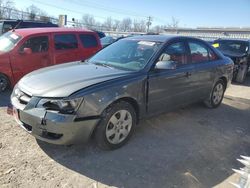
<point x="102" y="64"/>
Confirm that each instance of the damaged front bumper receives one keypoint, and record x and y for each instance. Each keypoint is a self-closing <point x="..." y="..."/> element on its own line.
<point x="53" y="127"/>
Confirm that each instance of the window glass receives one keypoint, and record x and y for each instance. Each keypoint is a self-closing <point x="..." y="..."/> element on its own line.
<point x="131" y="55"/>
<point x="199" y="53"/>
<point x="231" y="46"/>
<point x="174" y="52"/>
<point x="212" y="55"/>
<point x="37" y="44"/>
<point x="8" y="41"/>
<point x="65" y="41"/>
<point x="88" y="41"/>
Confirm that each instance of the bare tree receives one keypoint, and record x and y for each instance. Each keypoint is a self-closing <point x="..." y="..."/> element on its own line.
<point x="34" y="13"/>
<point x="174" y="23"/>
<point x="126" y="24"/>
<point x="139" y="26"/>
<point x="88" y="21"/>
<point x="108" y="24"/>
<point x="6" y="8"/>
<point x="159" y="28"/>
<point x="116" y="25"/>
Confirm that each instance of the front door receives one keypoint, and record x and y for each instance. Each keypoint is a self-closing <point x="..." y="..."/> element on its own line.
<point x="39" y="56"/>
<point x="168" y="89"/>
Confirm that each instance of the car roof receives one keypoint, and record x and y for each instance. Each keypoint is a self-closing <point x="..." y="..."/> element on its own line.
<point x="159" y="38"/>
<point x="28" y="21"/>
<point x="32" y="31"/>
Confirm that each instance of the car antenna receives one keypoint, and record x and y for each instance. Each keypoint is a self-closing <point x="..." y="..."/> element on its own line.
<point x="17" y="25"/>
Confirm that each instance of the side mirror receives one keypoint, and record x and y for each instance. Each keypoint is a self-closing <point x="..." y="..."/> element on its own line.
<point x="26" y="51"/>
<point x="165" y="65"/>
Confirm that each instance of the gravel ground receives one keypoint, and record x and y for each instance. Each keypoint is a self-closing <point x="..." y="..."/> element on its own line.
<point x="191" y="147"/>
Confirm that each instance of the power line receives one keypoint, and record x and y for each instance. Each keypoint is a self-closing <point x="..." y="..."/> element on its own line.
<point x="57" y="7"/>
<point x="109" y="9"/>
<point x="93" y="6"/>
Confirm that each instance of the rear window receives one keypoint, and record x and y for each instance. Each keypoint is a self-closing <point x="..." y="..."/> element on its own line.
<point x="88" y="41"/>
<point x="65" y="41"/>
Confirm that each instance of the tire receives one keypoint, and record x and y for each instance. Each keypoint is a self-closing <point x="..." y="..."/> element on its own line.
<point x="116" y="126"/>
<point x="4" y="82"/>
<point x="216" y="95"/>
<point x="241" y="73"/>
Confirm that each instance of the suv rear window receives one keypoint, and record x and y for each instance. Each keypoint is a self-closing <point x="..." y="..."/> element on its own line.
<point x="65" y="41"/>
<point x="88" y="41"/>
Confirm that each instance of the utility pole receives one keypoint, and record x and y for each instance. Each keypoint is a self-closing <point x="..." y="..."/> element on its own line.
<point x="149" y="22"/>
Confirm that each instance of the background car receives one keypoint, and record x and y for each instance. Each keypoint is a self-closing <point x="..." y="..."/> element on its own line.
<point x="239" y="51"/>
<point x="131" y="79"/>
<point x="106" y="41"/>
<point x="7" y="25"/>
<point x="25" y="50"/>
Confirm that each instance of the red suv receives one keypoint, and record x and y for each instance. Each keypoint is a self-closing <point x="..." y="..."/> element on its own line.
<point x="25" y="50"/>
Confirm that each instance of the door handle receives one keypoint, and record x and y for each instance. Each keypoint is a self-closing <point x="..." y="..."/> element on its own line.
<point x="188" y="74"/>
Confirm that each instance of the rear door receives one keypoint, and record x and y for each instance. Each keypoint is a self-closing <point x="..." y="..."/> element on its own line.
<point x="40" y="55"/>
<point x="205" y="63"/>
<point x="66" y="47"/>
<point x="90" y="45"/>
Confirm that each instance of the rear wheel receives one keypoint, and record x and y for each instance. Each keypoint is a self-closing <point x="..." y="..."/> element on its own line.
<point x="4" y="83"/>
<point x="216" y="96"/>
<point x="116" y="126"/>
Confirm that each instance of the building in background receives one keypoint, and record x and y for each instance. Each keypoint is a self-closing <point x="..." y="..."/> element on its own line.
<point x="211" y="33"/>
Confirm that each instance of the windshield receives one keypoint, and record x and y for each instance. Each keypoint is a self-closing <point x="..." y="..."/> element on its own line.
<point x="8" y="41"/>
<point x="129" y="55"/>
<point x="235" y="47"/>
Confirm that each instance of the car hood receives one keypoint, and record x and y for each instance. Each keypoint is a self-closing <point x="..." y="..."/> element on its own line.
<point x="63" y="80"/>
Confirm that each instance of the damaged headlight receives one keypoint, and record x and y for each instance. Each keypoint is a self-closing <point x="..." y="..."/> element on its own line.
<point x="64" y="106"/>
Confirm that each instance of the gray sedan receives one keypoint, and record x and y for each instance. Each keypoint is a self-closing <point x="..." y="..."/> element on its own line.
<point x="107" y="95"/>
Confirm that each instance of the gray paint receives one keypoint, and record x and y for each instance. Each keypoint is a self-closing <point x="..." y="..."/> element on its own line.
<point x="154" y="91"/>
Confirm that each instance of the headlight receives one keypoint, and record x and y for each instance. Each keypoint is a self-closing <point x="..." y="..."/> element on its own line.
<point x="63" y="106"/>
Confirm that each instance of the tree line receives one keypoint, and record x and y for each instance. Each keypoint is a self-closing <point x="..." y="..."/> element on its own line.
<point x="8" y="11"/>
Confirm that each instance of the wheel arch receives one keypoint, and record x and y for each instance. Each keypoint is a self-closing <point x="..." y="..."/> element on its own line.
<point x="132" y="102"/>
<point x="224" y="79"/>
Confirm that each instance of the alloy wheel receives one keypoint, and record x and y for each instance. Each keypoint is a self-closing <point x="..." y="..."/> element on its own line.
<point x="119" y="126"/>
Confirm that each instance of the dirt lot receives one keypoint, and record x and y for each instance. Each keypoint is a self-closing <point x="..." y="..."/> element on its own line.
<point x="191" y="147"/>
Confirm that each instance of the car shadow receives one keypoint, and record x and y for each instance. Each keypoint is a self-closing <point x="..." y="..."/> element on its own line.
<point x="5" y="98"/>
<point x="185" y="148"/>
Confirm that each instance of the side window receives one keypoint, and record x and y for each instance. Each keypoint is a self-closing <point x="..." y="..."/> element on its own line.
<point x="199" y="53"/>
<point x="175" y="52"/>
<point x="88" y="41"/>
<point x="37" y="44"/>
<point x="212" y="55"/>
<point x="65" y="42"/>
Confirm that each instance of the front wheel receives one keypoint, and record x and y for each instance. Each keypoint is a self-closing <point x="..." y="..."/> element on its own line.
<point x="216" y="96"/>
<point x="116" y="126"/>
